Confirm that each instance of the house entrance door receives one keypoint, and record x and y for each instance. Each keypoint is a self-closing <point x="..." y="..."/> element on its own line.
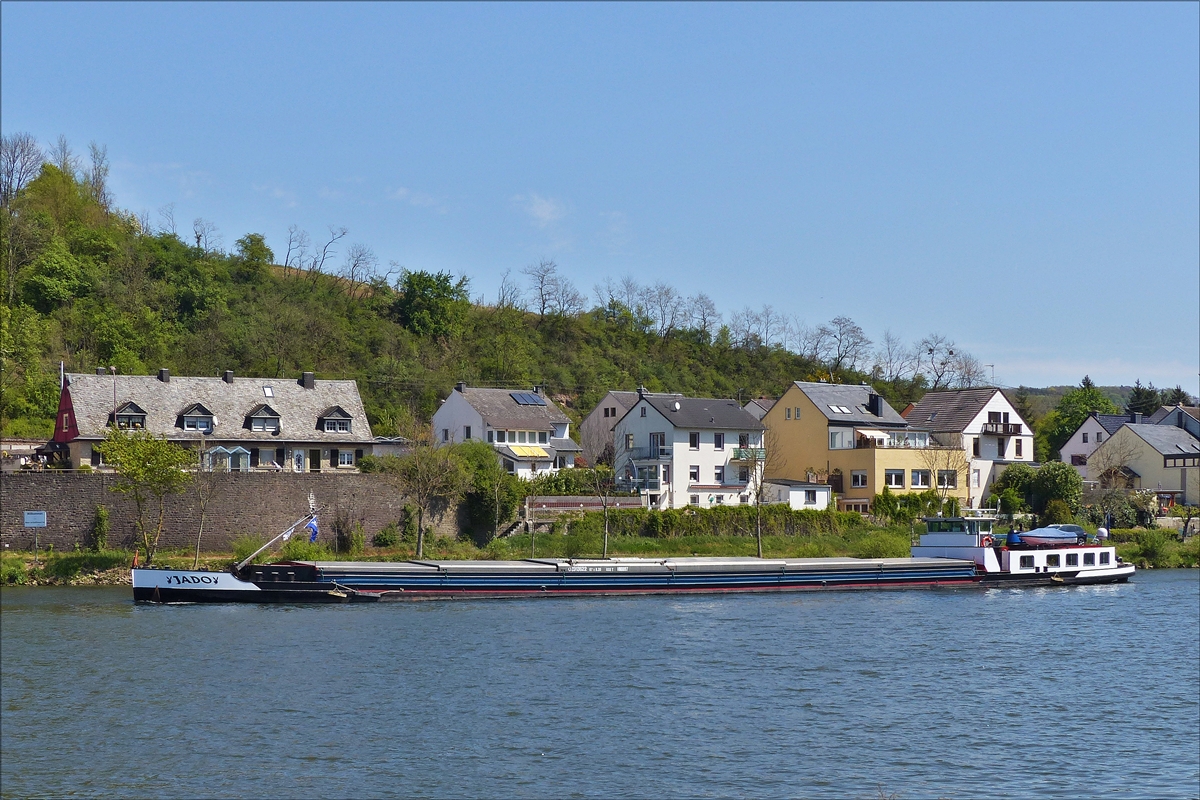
<point x="314" y="460"/>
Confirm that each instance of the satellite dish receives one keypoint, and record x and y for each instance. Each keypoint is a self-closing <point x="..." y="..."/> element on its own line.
<point x="676" y="405"/>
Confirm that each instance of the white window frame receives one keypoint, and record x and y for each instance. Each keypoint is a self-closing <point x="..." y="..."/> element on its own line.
<point x="719" y="475"/>
<point x="890" y="476"/>
<point x="345" y="458"/>
<point x="694" y="473"/>
<point x="858" y="479"/>
<point x="943" y="475"/>
<point x="718" y="441"/>
<point x="920" y="479"/>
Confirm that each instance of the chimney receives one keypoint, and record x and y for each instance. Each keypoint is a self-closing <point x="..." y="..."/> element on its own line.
<point x="539" y="390"/>
<point x="875" y="404"/>
<point x="460" y="387"/>
<point x="308" y="381"/>
<point x="1135" y="417"/>
<point x="164" y="375"/>
<point x="101" y="371"/>
<point x="227" y="376"/>
<point x="641" y="392"/>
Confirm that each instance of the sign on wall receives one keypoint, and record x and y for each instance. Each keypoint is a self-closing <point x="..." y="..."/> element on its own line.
<point x="35" y="519"/>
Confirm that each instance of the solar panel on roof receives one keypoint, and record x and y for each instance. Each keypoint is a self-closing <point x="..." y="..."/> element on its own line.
<point x="527" y="399"/>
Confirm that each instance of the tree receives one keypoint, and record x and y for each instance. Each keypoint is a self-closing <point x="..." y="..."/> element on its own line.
<point x="1071" y="411"/>
<point x="1057" y="481"/>
<point x="433" y="478"/>
<point x="1143" y="399"/>
<point x="848" y="344"/>
<point x="543" y="282"/>
<point x="603" y="484"/>
<point x="1108" y="462"/>
<point x="1176" y="397"/>
<point x="253" y="257"/>
<point x="20" y="161"/>
<point x="148" y="470"/>
<point x="1016" y="478"/>
<point x="759" y="459"/>
<point x="947" y="465"/>
<point x="205" y="484"/>
<point x="494" y="494"/>
<point x="431" y="304"/>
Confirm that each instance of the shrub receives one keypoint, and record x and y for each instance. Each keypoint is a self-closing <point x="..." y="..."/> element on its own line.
<point x="246" y="544"/>
<point x="1057" y="512"/>
<point x="1153" y="548"/>
<point x="13" y="570"/>
<point x="100" y="528"/>
<point x="1057" y="481"/>
<point x="299" y="548"/>
<point x="388" y="537"/>
<point x="881" y="544"/>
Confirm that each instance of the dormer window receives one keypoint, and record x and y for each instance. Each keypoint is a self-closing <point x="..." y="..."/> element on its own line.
<point x="130" y="416"/>
<point x="263" y="418"/>
<point x="334" y="420"/>
<point x="196" y="418"/>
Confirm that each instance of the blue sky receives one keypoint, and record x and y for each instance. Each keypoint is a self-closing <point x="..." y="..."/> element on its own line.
<point x="1022" y="178"/>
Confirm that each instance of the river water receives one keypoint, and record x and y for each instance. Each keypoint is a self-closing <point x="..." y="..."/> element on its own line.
<point x="1066" y="692"/>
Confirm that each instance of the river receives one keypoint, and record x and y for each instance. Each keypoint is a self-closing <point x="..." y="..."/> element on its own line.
<point x="1064" y="692"/>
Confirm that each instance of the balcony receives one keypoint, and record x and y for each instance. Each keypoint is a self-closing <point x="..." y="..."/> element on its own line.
<point x="749" y="454"/>
<point x="1002" y="428"/>
<point x="637" y="484"/>
<point x="658" y="453"/>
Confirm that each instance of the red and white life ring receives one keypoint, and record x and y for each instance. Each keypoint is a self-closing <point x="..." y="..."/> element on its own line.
<point x="986" y="541"/>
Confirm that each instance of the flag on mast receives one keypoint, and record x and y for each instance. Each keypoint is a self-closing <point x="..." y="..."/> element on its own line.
<point x="312" y="526"/>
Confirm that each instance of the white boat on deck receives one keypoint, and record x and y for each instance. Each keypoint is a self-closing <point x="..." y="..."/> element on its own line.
<point x="1006" y="560"/>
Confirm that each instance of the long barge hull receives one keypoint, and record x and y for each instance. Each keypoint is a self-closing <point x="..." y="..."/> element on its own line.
<point x="341" y="582"/>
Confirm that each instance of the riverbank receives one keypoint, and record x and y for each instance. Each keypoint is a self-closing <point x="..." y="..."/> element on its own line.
<point x="1146" y="549"/>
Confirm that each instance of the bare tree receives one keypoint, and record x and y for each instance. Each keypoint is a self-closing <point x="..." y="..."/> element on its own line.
<point x="63" y="157"/>
<point x="509" y="295"/>
<point x="360" y="267"/>
<point x="1109" y="462"/>
<point x="97" y="177"/>
<point x="298" y="243"/>
<point x="743" y="327"/>
<point x="205" y="484"/>
<point x="703" y="314"/>
<point x="20" y="161"/>
<point x="816" y="344"/>
<point x="630" y="293"/>
<point x="947" y="464"/>
<point x="566" y="300"/>
<point x="207" y="238"/>
<point x="967" y="371"/>
<point x="894" y="360"/>
<point x="166" y="216"/>
<point x="849" y="344"/>
<point x="432" y="477"/>
<point x="543" y="282"/>
<point x="666" y="305"/>
<point x="603" y="484"/>
<point x="937" y="360"/>
<point x="320" y="257"/>
<point x="760" y="459"/>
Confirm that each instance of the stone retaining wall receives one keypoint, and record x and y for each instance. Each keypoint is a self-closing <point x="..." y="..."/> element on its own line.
<point x="256" y="503"/>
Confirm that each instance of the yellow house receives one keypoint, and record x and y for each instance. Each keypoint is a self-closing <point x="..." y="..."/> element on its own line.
<point x="854" y="436"/>
<point x="1163" y="457"/>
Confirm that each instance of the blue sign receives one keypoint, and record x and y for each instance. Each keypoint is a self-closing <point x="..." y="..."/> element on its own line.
<point x="35" y="519"/>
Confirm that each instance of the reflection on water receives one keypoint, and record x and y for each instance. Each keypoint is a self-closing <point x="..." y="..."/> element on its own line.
<point x="1048" y="693"/>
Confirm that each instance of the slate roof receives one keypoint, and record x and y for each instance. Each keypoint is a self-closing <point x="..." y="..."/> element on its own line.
<point x="1166" y="411"/>
<point x="500" y="410"/>
<point x="299" y="408"/>
<point x="951" y="412"/>
<point x="1110" y="422"/>
<point x="1167" y="439"/>
<point x="759" y="406"/>
<point x="703" y="412"/>
<point x="854" y="398"/>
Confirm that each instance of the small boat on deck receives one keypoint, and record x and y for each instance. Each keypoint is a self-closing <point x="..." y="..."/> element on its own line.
<point x="1048" y="536"/>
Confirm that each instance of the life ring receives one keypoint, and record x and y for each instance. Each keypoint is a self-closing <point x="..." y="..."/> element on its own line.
<point x="986" y="541"/>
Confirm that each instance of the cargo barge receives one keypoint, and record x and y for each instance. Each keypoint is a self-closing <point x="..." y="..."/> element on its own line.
<point x="955" y="552"/>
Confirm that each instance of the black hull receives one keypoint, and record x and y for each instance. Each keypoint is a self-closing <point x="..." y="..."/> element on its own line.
<point x="159" y="594"/>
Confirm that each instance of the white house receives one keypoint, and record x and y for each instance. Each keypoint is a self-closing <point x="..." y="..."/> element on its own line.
<point x="800" y="495"/>
<point x="686" y="451"/>
<point x="993" y="435"/>
<point x="1090" y="434"/>
<point x="530" y="433"/>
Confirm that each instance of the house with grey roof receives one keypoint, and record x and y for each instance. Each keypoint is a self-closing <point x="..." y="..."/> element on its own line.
<point x="1164" y="458"/>
<point x="1090" y="434"/>
<point x="595" y="431"/>
<point x="759" y="406"/>
<point x="681" y="451"/>
<point x="240" y="424"/>
<point x="987" y="426"/>
<point x="530" y="433"/>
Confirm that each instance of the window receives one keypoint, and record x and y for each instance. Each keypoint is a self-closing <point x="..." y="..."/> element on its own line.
<point x="345" y="458"/>
<point x="264" y="424"/>
<point x="975" y="447"/>
<point x="1072" y="559"/>
<point x="1085" y="439"/>
<point x="606" y="411"/>
<point x="1104" y="558"/>
<point x="840" y="410"/>
<point x="1019" y="443"/>
<point x="643" y="411"/>
<point x="198" y="424"/>
<point x="994" y="417"/>
<point x="858" y="479"/>
<point x="1001" y="448"/>
<point x="338" y="426"/>
<point x="491" y="437"/>
<point x="521" y="437"/>
<point x="743" y="440"/>
<point x="694" y="440"/>
<point x="694" y="473"/>
<point x="796" y="414"/>
<point x="1052" y="560"/>
<point x="743" y="499"/>
<point x="719" y="500"/>
<point x="743" y="474"/>
<point x="509" y="466"/>
<point x="1078" y="460"/>
<point x="268" y="391"/>
<point x="787" y="413"/>
<point x="947" y="479"/>
<point x="445" y="434"/>
<point x="1099" y="437"/>
<point x="893" y="478"/>
<point x="975" y="478"/>
<point x="629" y="441"/>
<point x="466" y="432"/>
<point x="66" y="422"/>
<point x="920" y="479"/>
<point x="810" y="497"/>
<point x="719" y="474"/>
<point x="694" y="499"/>
<point x="718" y="441"/>
<point x="543" y="437"/>
<point x="1026" y="562"/>
<point x="1089" y="559"/>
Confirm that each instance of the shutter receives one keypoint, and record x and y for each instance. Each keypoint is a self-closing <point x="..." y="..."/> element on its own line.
<point x="333" y="458"/>
<point x="254" y="456"/>
<point x="358" y="454"/>
<point x="280" y="455"/>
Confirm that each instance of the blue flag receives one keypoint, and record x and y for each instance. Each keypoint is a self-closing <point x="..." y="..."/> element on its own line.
<point x="312" y="526"/>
